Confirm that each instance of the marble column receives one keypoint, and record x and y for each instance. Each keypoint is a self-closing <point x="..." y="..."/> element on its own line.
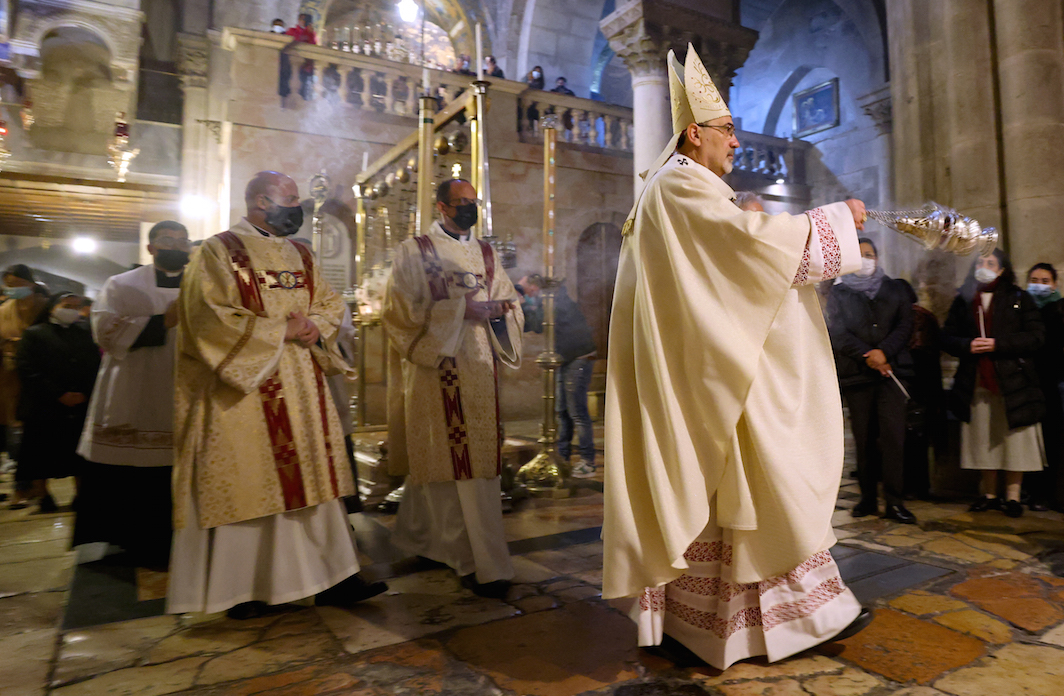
<point x="1030" y="63"/>
<point x="644" y="55"/>
<point x="200" y="142"/>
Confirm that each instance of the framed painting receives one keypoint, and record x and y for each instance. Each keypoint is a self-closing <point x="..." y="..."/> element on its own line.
<point x="816" y="109"/>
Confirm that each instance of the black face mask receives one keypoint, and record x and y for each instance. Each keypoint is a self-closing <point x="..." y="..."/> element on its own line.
<point x="171" y="259"/>
<point x="285" y="221"/>
<point x="466" y="216"/>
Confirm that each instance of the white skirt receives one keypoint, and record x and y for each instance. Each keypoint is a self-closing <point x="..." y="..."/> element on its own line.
<point x="274" y="559"/>
<point x="988" y="444"/>
<point x="458" y="523"/>
<point x="723" y="622"/>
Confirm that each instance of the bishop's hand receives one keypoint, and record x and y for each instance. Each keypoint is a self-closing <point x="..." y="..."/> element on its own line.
<point x="857" y="208"/>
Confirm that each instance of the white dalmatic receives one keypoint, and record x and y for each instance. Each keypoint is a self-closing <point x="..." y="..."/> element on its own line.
<point x="131" y="412"/>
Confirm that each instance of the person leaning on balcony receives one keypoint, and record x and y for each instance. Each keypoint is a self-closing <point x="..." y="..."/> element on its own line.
<point x="492" y="69"/>
<point x="534" y="79"/>
<point x="302" y="32"/>
<point x="561" y="88"/>
<point x="996" y="330"/>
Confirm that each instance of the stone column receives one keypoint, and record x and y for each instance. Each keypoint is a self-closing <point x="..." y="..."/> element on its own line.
<point x="877" y="105"/>
<point x="1030" y="62"/>
<point x="644" y="56"/>
<point x="201" y="137"/>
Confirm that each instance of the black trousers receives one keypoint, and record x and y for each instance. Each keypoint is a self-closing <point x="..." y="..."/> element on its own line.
<point x="877" y="417"/>
<point x="1044" y="486"/>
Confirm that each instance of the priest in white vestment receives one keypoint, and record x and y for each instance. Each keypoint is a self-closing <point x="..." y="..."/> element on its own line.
<point x="724" y="428"/>
<point x="259" y="468"/>
<point x="128" y="437"/>
<point x="452" y="315"/>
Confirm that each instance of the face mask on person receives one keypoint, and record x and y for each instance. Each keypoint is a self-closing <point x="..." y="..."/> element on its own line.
<point x="286" y="221"/>
<point x="1039" y="290"/>
<point x="65" y="316"/>
<point x="466" y="216"/>
<point x="868" y="267"/>
<point x="171" y="259"/>
<point x="537" y="74"/>
<point x="18" y="293"/>
<point x="277" y="29"/>
<point x="985" y="275"/>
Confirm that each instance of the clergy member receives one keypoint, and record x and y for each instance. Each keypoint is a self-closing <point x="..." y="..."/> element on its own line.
<point x="259" y="466"/>
<point x="128" y="437"/>
<point x="724" y="430"/>
<point x="451" y="314"/>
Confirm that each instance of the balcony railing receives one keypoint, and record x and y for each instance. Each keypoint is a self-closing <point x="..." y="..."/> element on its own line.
<point x="580" y="121"/>
<point x="770" y="157"/>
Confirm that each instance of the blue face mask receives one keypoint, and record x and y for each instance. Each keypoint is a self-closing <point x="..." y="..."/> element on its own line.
<point x="1039" y="290"/>
<point x="19" y="293"/>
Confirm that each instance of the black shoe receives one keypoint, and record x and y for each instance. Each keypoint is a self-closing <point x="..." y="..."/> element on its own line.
<point x="1013" y="508"/>
<point x="985" y="503"/>
<point x="350" y="591"/>
<point x="491" y="590"/>
<point x="1037" y="507"/>
<point x="863" y="509"/>
<point x="248" y="610"/>
<point x="899" y="513"/>
<point x="855" y="627"/>
<point x="48" y="504"/>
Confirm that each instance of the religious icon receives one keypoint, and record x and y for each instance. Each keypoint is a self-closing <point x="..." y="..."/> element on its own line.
<point x="816" y="109"/>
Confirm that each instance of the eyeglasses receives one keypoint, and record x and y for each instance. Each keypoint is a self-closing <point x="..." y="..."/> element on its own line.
<point x="728" y="129"/>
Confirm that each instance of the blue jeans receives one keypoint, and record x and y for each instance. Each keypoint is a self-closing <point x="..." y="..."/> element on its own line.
<point x="570" y="403"/>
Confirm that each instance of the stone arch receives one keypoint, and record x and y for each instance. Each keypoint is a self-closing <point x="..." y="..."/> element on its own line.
<point x="560" y="36"/>
<point x="75" y="30"/>
<point x="598" y="250"/>
<point x="780" y="100"/>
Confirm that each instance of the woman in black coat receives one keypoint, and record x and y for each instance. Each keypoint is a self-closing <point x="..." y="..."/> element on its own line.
<point x="870" y="322"/>
<point x="57" y="363"/>
<point x="996" y="330"/>
<point x="1044" y="488"/>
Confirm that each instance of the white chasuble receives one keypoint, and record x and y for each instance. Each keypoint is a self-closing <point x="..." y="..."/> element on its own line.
<point x="131" y="412"/>
<point x="255" y="429"/>
<point x="721" y="389"/>
<point x="443" y="408"/>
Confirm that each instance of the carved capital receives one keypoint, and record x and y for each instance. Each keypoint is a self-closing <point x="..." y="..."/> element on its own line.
<point x="641" y="32"/>
<point x="878" y="106"/>
<point x="215" y="127"/>
<point x="193" y="60"/>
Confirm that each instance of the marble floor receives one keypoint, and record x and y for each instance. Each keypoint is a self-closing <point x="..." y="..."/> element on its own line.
<point x="966" y="605"/>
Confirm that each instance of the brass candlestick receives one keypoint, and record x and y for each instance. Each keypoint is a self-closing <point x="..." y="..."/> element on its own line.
<point x="546" y="474"/>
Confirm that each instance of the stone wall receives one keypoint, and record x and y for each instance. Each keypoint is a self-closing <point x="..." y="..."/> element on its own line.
<point x="559" y="36"/>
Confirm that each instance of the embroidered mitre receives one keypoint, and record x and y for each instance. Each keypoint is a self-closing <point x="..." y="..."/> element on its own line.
<point x="703" y="97"/>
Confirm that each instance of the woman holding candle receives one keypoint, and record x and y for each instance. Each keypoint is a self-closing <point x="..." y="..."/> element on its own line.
<point x="995" y="329"/>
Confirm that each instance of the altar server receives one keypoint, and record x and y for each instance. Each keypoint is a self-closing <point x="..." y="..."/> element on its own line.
<point x="259" y="465"/>
<point x="451" y="314"/>
<point x="724" y="428"/>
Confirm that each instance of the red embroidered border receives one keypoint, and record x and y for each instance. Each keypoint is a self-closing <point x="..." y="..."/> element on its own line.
<point x="829" y="244"/>
<point x="286" y="459"/>
<point x="319" y="378"/>
<point x="454" y="418"/>
<point x="806" y="606"/>
<point x="246" y="282"/>
<point x="308" y="267"/>
<point x="433" y="269"/>
<point x="708" y="621"/>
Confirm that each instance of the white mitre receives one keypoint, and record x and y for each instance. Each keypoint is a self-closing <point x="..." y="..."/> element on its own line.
<point x="694" y="99"/>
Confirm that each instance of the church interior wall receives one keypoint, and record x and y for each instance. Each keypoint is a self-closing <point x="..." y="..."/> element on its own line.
<point x="559" y="36"/>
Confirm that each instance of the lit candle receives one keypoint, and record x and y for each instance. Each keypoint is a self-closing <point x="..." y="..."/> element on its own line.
<point x="480" y="56"/>
<point x="365" y="160"/>
<point x="425" y="81"/>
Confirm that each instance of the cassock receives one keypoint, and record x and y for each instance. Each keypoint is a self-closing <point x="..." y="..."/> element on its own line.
<point x="443" y="404"/>
<point x="127" y="441"/>
<point x="724" y="427"/>
<point x="259" y="466"/>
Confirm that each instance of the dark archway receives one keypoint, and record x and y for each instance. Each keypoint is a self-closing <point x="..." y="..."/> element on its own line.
<point x="597" y="251"/>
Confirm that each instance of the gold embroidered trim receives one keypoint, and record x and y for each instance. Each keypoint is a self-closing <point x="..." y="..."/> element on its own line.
<point x="248" y="330"/>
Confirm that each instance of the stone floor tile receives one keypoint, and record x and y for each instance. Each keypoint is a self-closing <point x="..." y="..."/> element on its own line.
<point x="999" y="549"/>
<point x="1003" y="564"/>
<point x="401" y="616"/>
<point x="1054" y="637"/>
<point x="570" y="650"/>
<point x="898" y="540"/>
<point x="35" y="530"/>
<point x="578" y="593"/>
<point x="30" y="612"/>
<point x="868" y="545"/>
<point x="203" y="639"/>
<point x="1015" y="597"/>
<point x="1014" y="669"/>
<point x="893" y="581"/>
<point x="88" y="651"/>
<point x="40" y="575"/>
<point x="268" y="656"/>
<point x="293" y="624"/>
<point x="958" y="550"/>
<point x="152" y="680"/>
<point x="420" y="667"/>
<point x="151" y="584"/>
<point x="758" y="668"/>
<point x="904" y="649"/>
<point x="526" y="570"/>
<point x="783" y="687"/>
<point x="976" y="624"/>
<point x="851" y="682"/>
<point x="919" y="691"/>
<point x="34" y="550"/>
<point x="535" y="603"/>
<point x="24" y="662"/>
<point x="924" y="603"/>
<point x="841" y="534"/>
